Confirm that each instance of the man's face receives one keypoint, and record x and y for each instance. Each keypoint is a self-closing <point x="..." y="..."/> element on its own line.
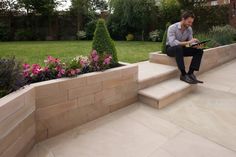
<point x="188" y="22"/>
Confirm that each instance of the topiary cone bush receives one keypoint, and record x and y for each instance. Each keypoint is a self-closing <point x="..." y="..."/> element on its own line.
<point x="163" y="45"/>
<point x="102" y="41"/>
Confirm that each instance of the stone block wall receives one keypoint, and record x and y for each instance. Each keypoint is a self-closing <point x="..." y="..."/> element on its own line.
<point x="45" y="109"/>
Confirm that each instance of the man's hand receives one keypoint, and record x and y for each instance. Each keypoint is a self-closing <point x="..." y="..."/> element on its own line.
<point x="193" y="40"/>
<point x="201" y="46"/>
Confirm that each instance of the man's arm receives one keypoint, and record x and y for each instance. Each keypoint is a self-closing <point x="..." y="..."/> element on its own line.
<point x="174" y="42"/>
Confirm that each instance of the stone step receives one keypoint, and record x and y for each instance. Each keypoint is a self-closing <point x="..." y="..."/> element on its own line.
<point x="163" y="94"/>
<point x="152" y="73"/>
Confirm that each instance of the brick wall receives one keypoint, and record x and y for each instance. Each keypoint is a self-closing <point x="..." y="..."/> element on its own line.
<point x="233" y="13"/>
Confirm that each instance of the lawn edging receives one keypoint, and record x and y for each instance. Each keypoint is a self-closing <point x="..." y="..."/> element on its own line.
<point x="45" y="109"/>
<point x="211" y="58"/>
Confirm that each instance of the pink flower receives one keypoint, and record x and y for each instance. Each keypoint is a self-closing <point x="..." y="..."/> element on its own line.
<point x="36" y="69"/>
<point x="25" y="73"/>
<point x="94" y="53"/>
<point x="58" y="68"/>
<point x="62" y="71"/>
<point x="78" y="71"/>
<point x="51" y="59"/>
<point x="96" y="58"/>
<point x="57" y="60"/>
<point x="72" y="72"/>
<point x="59" y="75"/>
<point x="107" y="60"/>
<point x="82" y="63"/>
<point x="26" y="66"/>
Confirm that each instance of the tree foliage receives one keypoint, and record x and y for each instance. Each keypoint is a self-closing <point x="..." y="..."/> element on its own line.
<point x="130" y="16"/>
<point x="45" y="7"/>
<point x="102" y="41"/>
<point x="164" y="40"/>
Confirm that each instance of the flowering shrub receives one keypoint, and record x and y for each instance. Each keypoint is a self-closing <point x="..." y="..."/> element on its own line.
<point x="101" y="62"/>
<point x="80" y="64"/>
<point x="54" y="68"/>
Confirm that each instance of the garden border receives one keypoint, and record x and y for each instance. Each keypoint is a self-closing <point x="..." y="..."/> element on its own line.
<point x="46" y="109"/>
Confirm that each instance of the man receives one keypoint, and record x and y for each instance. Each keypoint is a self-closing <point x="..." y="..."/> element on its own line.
<point x="179" y="39"/>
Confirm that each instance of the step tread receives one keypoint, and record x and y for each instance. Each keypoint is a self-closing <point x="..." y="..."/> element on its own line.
<point x="148" y="70"/>
<point x="164" y="89"/>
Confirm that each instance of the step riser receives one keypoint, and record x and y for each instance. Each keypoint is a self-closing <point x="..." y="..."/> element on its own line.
<point x="163" y="102"/>
<point x="152" y="81"/>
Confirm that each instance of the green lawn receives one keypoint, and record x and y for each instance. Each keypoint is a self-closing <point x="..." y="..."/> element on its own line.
<point x="36" y="51"/>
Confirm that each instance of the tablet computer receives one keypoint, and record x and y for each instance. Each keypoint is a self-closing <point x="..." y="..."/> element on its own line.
<point x="199" y="43"/>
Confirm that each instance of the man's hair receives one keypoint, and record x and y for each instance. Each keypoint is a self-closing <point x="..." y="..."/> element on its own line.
<point x="187" y="14"/>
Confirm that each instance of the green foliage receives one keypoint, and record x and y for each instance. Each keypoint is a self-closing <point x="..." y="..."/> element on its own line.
<point x="209" y="16"/>
<point x="163" y="46"/>
<point x="4" y="32"/>
<point x="131" y="16"/>
<point x="223" y="34"/>
<point x="192" y="4"/>
<point x="205" y="36"/>
<point x="169" y="12"/>
<point x="102" y="41"/>
<point x="11" y="76"/>
<point x="90" y="28"/>
<point x="23" y="35"/>
<point x="45" y="7"/>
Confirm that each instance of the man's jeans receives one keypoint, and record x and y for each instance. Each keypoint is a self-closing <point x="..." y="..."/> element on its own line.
<point x="179" y="52"/>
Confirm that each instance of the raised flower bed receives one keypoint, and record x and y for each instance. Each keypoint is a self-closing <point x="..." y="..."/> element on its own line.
<point x="44" y="109"/>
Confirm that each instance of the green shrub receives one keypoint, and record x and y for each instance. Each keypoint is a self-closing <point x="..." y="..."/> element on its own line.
<point x="206" y="36"/>
<point x="169" y="12"/>
<point x="11" y="75"/>
<point x="163" y="45"/>
<point x="223" y="34"/>
<point x="4" y="32"/>
<point x="102" y="41"/>
<point x="23" y="35"/>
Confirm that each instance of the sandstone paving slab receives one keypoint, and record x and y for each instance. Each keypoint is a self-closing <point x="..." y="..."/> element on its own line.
<point x="208" y="113"/>
<point x="221" y="78"/>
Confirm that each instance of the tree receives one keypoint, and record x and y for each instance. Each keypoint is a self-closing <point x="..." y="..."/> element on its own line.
<point x="80" y="9"/>
<point x="102" y="41"/>
<point x="131" y="16"/>
<point x="86" y="10"/>
<point x="169" y="12"/>
<point x="8" y="6"/>
<point x="44" y="7"/>
<point x="191" y="4"/>
<point x="98" y="5"/>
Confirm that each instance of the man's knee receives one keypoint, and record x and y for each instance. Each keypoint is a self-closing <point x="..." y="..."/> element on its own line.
<point x="179" y="50"/>
<point x="200" y="51"/>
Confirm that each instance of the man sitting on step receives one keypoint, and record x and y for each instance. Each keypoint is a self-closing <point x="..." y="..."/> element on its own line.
<point x="179" y="39"/>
